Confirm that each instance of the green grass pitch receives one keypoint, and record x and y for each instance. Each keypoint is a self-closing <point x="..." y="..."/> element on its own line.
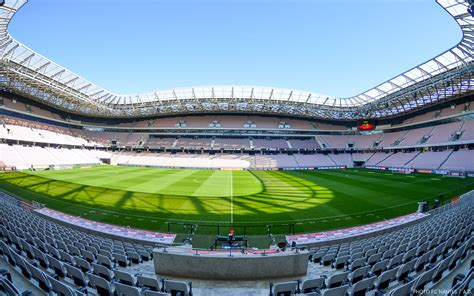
<point x="311" y="200"/>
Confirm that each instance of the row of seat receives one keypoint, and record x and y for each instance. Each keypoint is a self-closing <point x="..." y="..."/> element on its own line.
<point x="342" y="284"/>
<point x="67" y="268"/>
<point x="41" y="232"/>
<point x="423" y="253"/>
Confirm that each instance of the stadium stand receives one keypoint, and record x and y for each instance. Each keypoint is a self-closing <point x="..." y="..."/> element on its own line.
<point x="342" y="159"/>
<point x="270" y="144"/>
<point x="193" y="143"/>
<point x="25" y="157"/>
<point x="58" y="259"/>
<point x="376" y="158"/>
<point x="421" y="121"/>
<point x="460" y="159"/>
<point x="444" y="133"/>
<point x="429" y="160"/>
<point x="399" y="159"/>
<point x="310" y="144"/>
<point x="229" y="143"/>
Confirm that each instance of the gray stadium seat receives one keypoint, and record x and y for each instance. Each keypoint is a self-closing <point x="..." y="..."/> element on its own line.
<point x="374" y="259"/>
<point x="77" y="275"/>
<point x="340" y="261"/>
<point x="102" y="286"/>
<point x="287" y="288"/>
<point x="154" y="293"/>
<point x="358" y="274"/>
<point x="312" y="285"/>
<point x="134" y="257"/>
<point x="174" y="287"/>
<point x="124" y="278"/>
<point x="40" y="257"/>
<point x="40" y="277"/>
<point x="422" y="261"/>
<point x="105" y="261"/>
<point x="9" y="289"/>
<point x="423" y="279"/>
<point x="403" y="290"/>
<point x="66" y="257"/>
<point x="122" y="259"/>
<point x="360" y="288"/>
<point x="50" y="250"/>
<point x="22" y="264"/>
<point x="148" y="282"/>
<point x="337" y="280"/>
<point x="440" y="268"/>
<point x="406" y="269"/>
<point x="102" y="271"/>
<point x="328" y="259"/>
<point x="379" y="267"/>
<point x="126" y="290"/>
<point x="57" y="266"/>
<point x="83" y="264"/>
<point x="339" y="291"/>
<point x="358" y="263"/>
<point x="62" y="289"/>
<point x="395" y="261"/>
<point x="384" y="280"/>
<point x="463" y="287"/>
<point x="88" y="255"/>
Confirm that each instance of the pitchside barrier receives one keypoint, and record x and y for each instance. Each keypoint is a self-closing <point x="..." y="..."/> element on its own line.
<point x="70" y="166"/>
<point x="223" y="229"/>
<point x="449" y="172"/>
<point x="236" y="168"/>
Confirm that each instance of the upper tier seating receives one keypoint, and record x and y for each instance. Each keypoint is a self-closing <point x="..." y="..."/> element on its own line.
<point x="310" y="144"/>
<point x="467" y="131"/>
<point x="160" y="142"/>
<point x="193" y="143"/>
<point x="229" y="143"/>
<point x="270" y="144"/>
<point x="415" y="136"/>
<point x="14" y="129"/>
<point x="444" y="133"/>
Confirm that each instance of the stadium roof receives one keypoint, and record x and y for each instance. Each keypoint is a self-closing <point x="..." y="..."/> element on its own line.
<point x="29" y="73"/>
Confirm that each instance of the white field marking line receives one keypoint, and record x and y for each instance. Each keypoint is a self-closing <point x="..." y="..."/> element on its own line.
<point x="231" y="199"/>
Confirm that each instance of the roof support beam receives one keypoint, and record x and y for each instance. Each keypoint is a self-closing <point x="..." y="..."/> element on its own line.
<point x="84" y="87"/>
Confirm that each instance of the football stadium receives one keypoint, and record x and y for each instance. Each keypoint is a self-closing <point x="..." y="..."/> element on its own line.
<point x="235" y="189"/>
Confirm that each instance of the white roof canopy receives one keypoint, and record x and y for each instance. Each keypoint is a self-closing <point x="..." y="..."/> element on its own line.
<point x="48" y="74"/>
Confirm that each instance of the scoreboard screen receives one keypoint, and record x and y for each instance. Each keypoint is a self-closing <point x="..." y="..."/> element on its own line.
<point x="366" y="126"/>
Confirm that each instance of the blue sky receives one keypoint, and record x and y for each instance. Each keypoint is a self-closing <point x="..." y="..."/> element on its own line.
<point x="333" y="47"/>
